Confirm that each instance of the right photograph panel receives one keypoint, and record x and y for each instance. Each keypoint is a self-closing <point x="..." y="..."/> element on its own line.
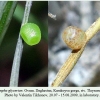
<point x="74" y="43"/>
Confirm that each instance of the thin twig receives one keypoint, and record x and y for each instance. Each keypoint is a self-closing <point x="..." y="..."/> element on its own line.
<point x="74" y="56"/>
<point x="52" y="16"/>
<point x="19" y="48"/>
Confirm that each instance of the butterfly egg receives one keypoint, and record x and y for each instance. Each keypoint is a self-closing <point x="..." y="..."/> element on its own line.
<point x="74" y="37"/>
<point x="30" y="33"/>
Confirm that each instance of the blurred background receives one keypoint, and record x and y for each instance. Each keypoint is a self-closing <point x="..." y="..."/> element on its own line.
<point x="34" y="62"/>
<point x="80" y="14"/>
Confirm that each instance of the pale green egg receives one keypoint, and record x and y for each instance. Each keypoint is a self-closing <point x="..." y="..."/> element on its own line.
<point x="30" y="33"/>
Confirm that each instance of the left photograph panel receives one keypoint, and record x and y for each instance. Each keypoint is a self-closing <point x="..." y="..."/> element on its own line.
<point x="24" y="44"/>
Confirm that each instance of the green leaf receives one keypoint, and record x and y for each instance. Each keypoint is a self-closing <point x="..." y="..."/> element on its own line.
<point x="6" y="11"/>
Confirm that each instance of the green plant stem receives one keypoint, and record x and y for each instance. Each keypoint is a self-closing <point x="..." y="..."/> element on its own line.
<point x="19" y="49"/>
<point x="74" y="56"/>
